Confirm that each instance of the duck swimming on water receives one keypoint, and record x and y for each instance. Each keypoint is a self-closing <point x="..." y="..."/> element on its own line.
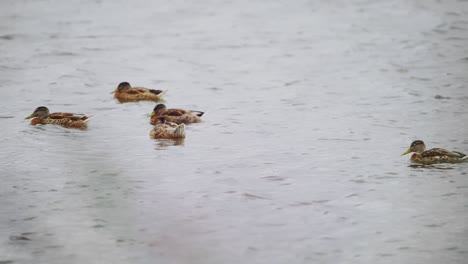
<point x="164" y="129"/>
<point x="432" y="156"/>
<point x="174" y="115"/>
<point x="126" y="93"/>
<point x="42" y="116"/>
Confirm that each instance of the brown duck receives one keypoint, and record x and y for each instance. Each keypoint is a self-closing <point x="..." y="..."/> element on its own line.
<point x="42" y="116"/>
<point x="174" y="115"/>
<point x="164" y="129"/>
<point x="126" y="93"/>
<point x="432" y="156"/>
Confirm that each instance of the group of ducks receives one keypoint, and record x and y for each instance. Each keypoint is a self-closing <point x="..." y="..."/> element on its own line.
<point x="170" y="123"/>
<point x="167" y="123"/>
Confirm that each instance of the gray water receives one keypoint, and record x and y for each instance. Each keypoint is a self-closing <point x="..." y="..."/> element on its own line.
<point x="309" y="105"/>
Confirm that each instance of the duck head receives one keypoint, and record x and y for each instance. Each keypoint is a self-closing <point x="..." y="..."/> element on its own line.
<point x="123" y="86"/>
<point x="417" y="146"/>
<point x="158" y="110"/>
<point x="40" y="112"/>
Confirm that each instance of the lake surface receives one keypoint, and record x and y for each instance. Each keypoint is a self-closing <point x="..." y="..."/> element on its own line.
<point x="309" y="105"/>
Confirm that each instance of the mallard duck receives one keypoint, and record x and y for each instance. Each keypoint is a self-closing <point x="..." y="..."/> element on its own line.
<point x="42" y="116"/>
<point x="435" y="155"/>
<point x="177" y="116"/>
<point x="166" y="129"/>
<point x="126" y="93"/>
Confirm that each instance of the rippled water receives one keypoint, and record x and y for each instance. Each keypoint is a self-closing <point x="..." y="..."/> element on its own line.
<point x="308" y="105"/>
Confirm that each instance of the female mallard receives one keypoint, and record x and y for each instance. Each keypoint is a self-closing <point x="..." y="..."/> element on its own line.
<point x="42" y="116"/>
<point x="126" y="93"/>
<point x="166" y="129"/>
<point x="177" y="116"/>
<point x="435" y="155"/>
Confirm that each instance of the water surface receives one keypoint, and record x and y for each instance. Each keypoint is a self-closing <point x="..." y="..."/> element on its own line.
<point x="308" y="107"/>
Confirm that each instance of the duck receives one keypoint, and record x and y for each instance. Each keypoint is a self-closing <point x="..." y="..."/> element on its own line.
<point x="126" y="93"/>
<point x="43" y="116"/>
<point x="178" y="116"/>
<point x="164" y="129"/>
<point x="432" y="156"/>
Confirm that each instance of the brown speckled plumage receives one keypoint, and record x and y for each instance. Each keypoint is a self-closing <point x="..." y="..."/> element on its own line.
<point x="42" y="116"/>
<point x="178" y="116"/>
<point x="126" y="93"/>
<point x="435" y="155"/>
<point x="165" y="129"/>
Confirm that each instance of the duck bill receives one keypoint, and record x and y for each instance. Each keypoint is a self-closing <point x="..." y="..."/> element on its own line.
<point x="113" y="91"/>
<point x="406" y="152"/>
<point x="30" y="116"/>
<point x="152" y="114"/>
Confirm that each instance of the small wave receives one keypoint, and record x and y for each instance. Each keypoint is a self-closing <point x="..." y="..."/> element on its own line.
<point x="7" y="37"/>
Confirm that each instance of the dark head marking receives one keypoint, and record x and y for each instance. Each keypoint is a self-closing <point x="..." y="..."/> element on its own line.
<point x="159" y="107"/>
<point x="123" y="86"/>
<point x="40" y="112"/>
<point x="41" y="109"/>
<point x="417" y="142"/>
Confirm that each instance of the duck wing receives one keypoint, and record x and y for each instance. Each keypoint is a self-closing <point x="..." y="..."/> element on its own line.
<point x="461" y="155"/>
<point x="197" y="113"/>
<point x="136" y="91"/>
<point x="156" y="92"/>
<point x="60" y="115"/>
<point x="71" y="116"/>
<point x="441" y="152"/>
<point x="175" y="112"/>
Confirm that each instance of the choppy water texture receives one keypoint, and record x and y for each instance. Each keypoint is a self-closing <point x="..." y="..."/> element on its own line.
<point x="309" y="105"/>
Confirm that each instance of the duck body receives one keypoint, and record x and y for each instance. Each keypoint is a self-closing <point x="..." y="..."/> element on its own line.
<point x="178" y="116"/>
<point x="42" y="116"/>
<point x="164" y="129"/>
<point x="126" y="93"/>
<point x="433" y="156"/>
